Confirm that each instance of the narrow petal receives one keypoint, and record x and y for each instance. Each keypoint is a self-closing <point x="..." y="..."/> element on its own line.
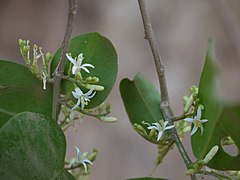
<point x="194" y="130"/>
<point x="79" y="91"/>
<point x="74" y="69"/>
<point x="85" y="69"/>
<point x="85" y="166"/>
<point x="93" y="94"/>
<point x="88" y="65"/>
<point x="82" y="105"/>
<point x="77" y="154"/>
<point x="88" y="161"/>
<point x="189" y="120"/>
<point x="169" y="127"/>
<point x="152" y="127"/>
<point x="199" y="112"/>
<point x="159" y="135"/>
<point x="71" y="59"/>
<point x="165" y="124"/>
<point x="76" y="106"/>
<point x="204" y="120"/>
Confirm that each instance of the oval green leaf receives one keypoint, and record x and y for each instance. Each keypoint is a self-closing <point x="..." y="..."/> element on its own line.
<point x="98" y="51"/>
<point x="213" y="131"/>
<point x="32" y="147"/>
<point x="21" y="91"/>
<point x="141" y="100"/>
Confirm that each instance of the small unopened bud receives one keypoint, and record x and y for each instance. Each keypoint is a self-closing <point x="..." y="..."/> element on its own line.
<point x="20" y="42"/>
<point x="26" y="49"/>
<point x="211" y="154"/>
<point x="108" y="119"/>
<point x="48" y="57"/>
<point x="188" y="104"/>
<point x="108" y="107"/>
<point x="95" y="87"/>
<point x="78" y="76"/>
<point x="100" y="108"/>
<point x="152" y="133"/>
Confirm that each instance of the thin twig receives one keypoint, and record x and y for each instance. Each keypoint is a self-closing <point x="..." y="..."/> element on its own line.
<point x="215" y="174"/>
<point x="230" y="25"/>
<point x="165" y="104"/>
<point x="60" y="68"/>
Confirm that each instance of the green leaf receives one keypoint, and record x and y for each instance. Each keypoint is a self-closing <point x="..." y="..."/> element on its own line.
<point x="213" y="129"/>
<point x="147" y="178"/>
<point x="98" y="51"/>
<point x="33" y="146"/>
<point x="141" y="100"/>
<point x="21" y="91"/>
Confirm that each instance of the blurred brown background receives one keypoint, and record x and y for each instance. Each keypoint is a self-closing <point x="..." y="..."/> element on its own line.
<point x="181" y="27"/>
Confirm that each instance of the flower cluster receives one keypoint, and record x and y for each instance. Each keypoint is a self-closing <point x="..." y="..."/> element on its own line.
<point x="82" y="98"/>
<point x="32" y="62"/>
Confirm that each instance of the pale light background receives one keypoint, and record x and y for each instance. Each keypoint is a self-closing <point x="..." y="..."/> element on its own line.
<point x="182" y="29"/>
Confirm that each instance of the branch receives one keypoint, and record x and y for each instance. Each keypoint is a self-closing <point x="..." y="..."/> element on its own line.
<point x="165" y="104"/>
<point x="230" y="25"/>
<point x="72" y="10"/>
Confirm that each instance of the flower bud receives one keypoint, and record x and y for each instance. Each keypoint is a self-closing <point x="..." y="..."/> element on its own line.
<point x="108" y="119"/>
<point x="211" y="154"/>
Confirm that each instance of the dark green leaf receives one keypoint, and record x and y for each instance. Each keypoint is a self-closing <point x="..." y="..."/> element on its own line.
<point x="141" y="100"/>
<point x="32" y="147"/>
<point x="21" y="91"/>
<point x="213" y="131"/>
<point x="98" y="51"/>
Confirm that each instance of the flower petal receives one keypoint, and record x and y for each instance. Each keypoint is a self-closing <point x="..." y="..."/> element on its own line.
<point x="85" y="69"/>
<point x="77" y="154"/>
<point x="169" y="127"/>
<point x="159" y="135"/>
<point x="88" y="65"/>
<point x="194" y="130"/>
<point x="152" y="127"/>
<point x="201" y="127"/>
<point x="199" y="112"/>
<point x="71" y="59"/>
<point x="204" y="120"/>
<point x="74" y="69"/>
<point x="76" y="106"/>
<point x="189" y="120"/>
<point x="85" y="166"/>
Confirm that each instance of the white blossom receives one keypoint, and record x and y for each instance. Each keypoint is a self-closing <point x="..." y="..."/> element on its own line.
<point x="197" y="121"/>
<point x="160" y="127"/>
<point x="81" y="158"/>
<point x="82" y="98"/>
<point x="77" y="63"/>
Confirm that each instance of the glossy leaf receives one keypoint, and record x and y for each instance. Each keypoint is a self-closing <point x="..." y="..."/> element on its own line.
<point x="213" y="131"/>
<point x="141" y="100"/>
<point x="32" y="147"/>
<point x="98" y="51"/>
<point x="21" y="91"/>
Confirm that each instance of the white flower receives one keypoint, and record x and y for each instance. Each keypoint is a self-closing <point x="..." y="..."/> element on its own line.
<point x="197" y="122"/>
<point x="82" y="98"/>
<point x="77" y="63"/>
<point x="81" y="158"/>
<point x="161" y="127"/>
